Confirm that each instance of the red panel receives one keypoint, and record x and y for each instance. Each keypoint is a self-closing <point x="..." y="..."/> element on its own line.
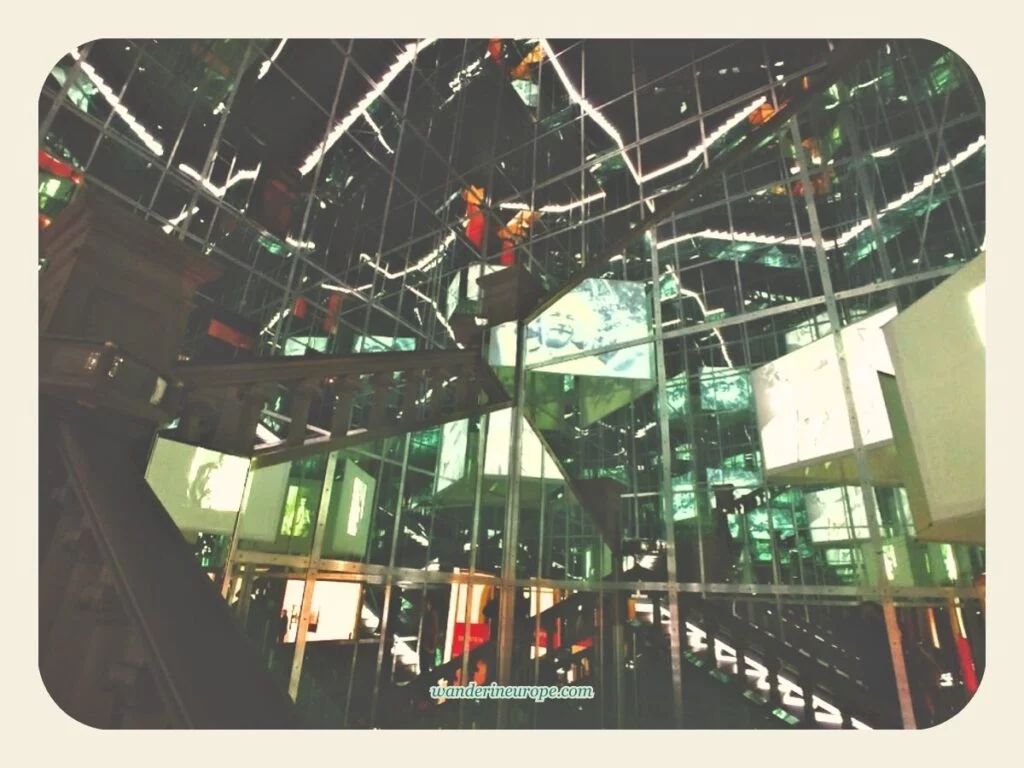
<point x="475" y="229"/>
<point x="508" y="254"/>
<point x="333" y="308"/>
<point x="229" y="335"/>
<point x="478" y="635"/>
<point x="50" y="164"/>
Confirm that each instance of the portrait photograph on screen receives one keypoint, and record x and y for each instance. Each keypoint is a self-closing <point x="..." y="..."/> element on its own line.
<point x="595" y="315"/>
<point x="201" y="489"/>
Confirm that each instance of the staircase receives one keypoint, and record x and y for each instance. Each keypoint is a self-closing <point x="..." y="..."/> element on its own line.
<point x="332" y="402"/>
<point x="132" y="632"/>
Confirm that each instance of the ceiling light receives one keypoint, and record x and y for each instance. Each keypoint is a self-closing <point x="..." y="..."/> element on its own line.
<point x="265" y="66"/>
<point x="120" y="110"/>
<point x="588" y="109"/>
<point x="360" y="109"/>
<point x="698" y="150"/>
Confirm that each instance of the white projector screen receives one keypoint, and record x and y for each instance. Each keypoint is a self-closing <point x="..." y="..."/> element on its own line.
<point x="451" y="466"/>
<point x="499" y="438"/>
<point x="200" y="489"/>
<point x="455" y="438"/>
<point x="332" y="613"/>
<point x="264" y="503"/>
<point x="470" y="274"/>
<point x="801" y="408"/>
<point x="938" y="352"/>
<point x="596" y="314"/>
<point x="351" y="513"/>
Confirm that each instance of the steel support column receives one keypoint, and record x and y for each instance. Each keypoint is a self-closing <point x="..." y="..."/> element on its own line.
<point x="860" y="454"/>
<point x="312" y="570"/>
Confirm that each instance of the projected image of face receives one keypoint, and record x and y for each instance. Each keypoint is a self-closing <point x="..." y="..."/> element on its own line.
<point x="201" y="489"/>
<point x="596" y="315"/>
<point x="556" y="328"/>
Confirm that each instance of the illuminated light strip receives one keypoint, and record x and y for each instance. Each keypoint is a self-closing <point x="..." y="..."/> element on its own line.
<point x="553" y="207"/>
<point x="423" y="264"/>
<point x="300" y="244"/>
<point x="934" y="629"/>
<point x="920" y="187"/>
<point x="177" y="220"/>
<point x="463" y="76"/>
<point x="960" y="619"/>
<point x="698" y="150"/>
<point x="151" y="143"/>
<point x="346" y="289"/>
<point x="265" y="66"/>
<point x="759" y="672"/>
<point x="588" y="109"/>
<point x="359" y="110"/>
<point x="857" y="87"/>
<point x="645" y="429"/>
<point x="274" y="320"/>
<point x="703" y="308"/>
<point x="266" y="436"/>
<point x="212" y="188"/>
<point x="447" y="202"/>
<point x="746" y="237"/>
<point x="438" y="312"/>
<point x="430" y="392"/>
<point x="825" y="712"/>
<point x="380" y="136"/>
<point x="792" y="693"/>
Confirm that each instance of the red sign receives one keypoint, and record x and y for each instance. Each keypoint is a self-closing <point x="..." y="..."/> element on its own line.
<point x="478" y="635"/>
<point x="229" y="335"/>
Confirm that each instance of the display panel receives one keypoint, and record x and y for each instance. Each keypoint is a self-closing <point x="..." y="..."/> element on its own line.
<point x="938" y="351"/>
<point x="596" y="314"/>
<point x="300" y="505"/>
<point x="470" y="274"/>
<point x="724" y="389"/>
<point x="300" y="345"/>
<point x="801" y="408"/>
<point x="264" y="503"/>
<point x="451" y="466"/>
<point x="332" y="615"/>
<point x="351" y="514"/>
<point x="200" y="489"/>
<point x="383" y="344"/>
<point x="535" y="462"/>
<point x="832" y="512"/>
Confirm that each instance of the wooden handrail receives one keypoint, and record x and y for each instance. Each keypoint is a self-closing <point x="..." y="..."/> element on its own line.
<point x="209" y="675"/>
